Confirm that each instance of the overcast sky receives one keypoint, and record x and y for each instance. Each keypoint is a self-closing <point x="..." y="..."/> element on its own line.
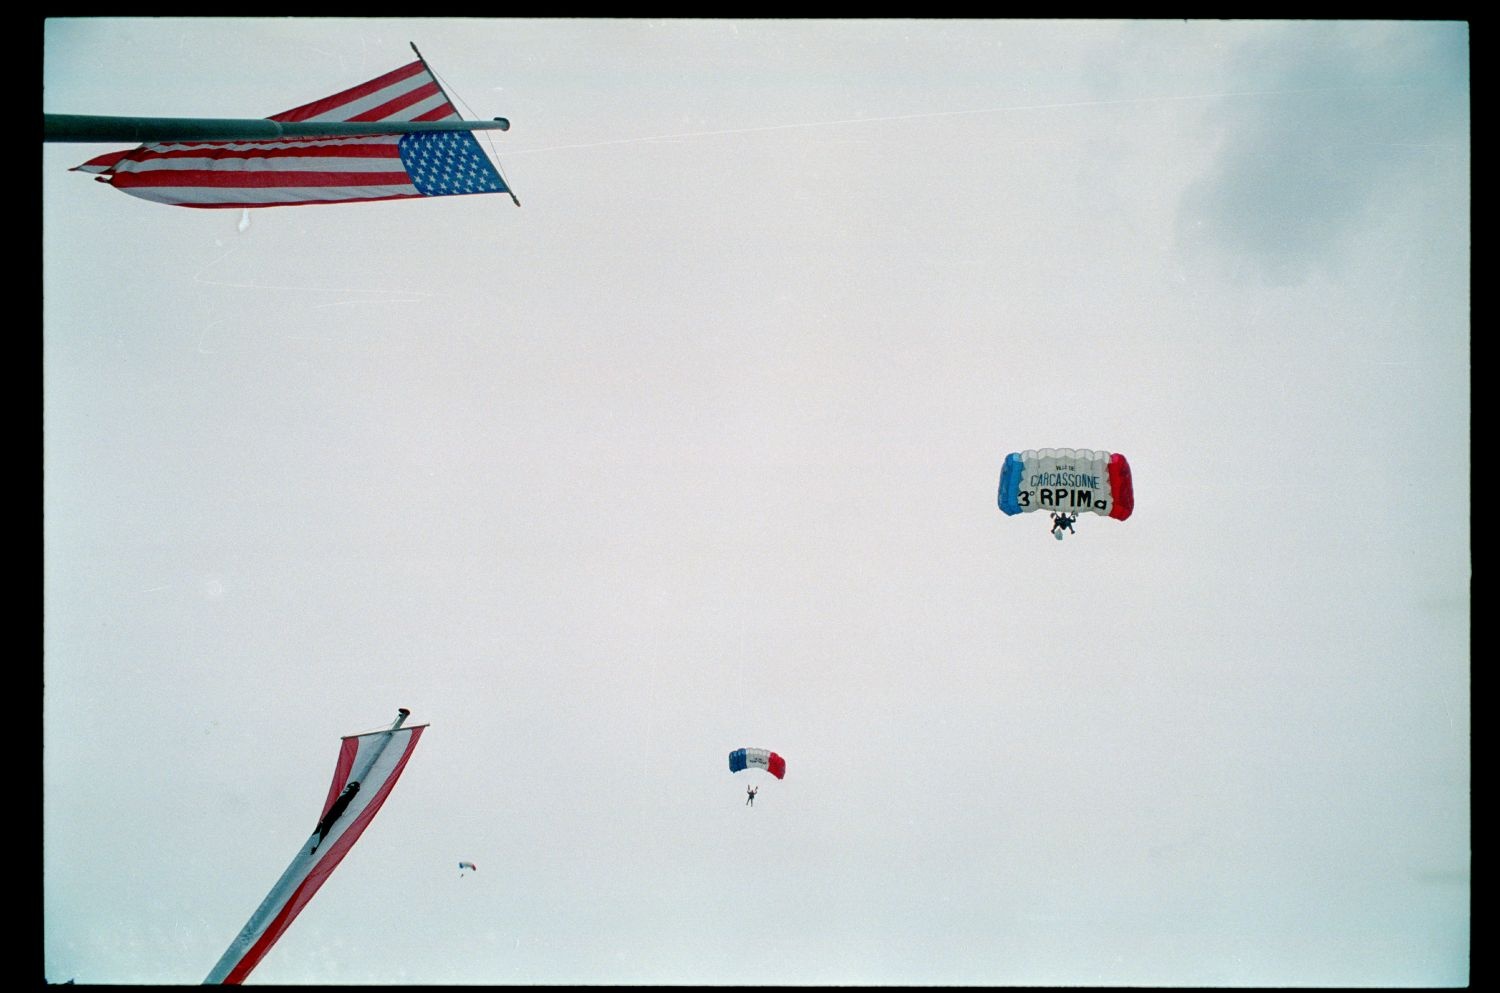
<point x="698" y="449"/>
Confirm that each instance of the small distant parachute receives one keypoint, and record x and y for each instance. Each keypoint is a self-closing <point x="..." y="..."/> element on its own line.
<point x="1067" y="480"/>
<point x="467" y="865"/>
<point x="757" y="758"/>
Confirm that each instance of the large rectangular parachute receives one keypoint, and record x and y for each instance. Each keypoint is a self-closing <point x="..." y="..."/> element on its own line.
<point x="757" y="758"/>
<point x="1067" y="480"/>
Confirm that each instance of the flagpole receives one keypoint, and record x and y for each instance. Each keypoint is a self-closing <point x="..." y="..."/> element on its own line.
<point x="96" y="128"/>
<point x="444" y="92"/>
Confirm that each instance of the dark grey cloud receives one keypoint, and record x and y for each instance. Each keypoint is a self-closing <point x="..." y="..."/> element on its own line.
<point x="1322" y="124"/>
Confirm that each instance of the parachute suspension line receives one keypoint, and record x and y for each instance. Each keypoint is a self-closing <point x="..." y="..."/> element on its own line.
<point x="494" y="154"/>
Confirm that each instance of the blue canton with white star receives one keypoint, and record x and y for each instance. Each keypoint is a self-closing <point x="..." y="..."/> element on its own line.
<point x="445" y="163"/>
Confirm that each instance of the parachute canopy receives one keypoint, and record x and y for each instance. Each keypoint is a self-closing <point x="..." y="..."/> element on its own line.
<point x="468" y="865"/>
<point x="757" y="758"/>
<point x="1074" y="480"/>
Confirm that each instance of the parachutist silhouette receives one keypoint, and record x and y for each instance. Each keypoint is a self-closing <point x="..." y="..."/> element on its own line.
<point x="750" y="792"/>
<point x="335" y="812"/>
<point x="1061" y="521"/>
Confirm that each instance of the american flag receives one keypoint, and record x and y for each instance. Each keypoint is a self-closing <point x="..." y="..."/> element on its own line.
<point x="293" y="171"/>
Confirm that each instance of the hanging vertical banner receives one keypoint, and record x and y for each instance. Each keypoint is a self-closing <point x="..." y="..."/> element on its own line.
<point x="368" y="767"/>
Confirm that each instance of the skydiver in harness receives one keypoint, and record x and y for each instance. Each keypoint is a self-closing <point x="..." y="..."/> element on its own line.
<point x="750" y="795"/>
<point x="1061" y="521"/>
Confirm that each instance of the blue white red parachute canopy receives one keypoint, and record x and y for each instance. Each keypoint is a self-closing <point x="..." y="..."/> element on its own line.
<point x="468" y="865"/>
<point x="1067" y="480"/>
<point x="757" y="758"/>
